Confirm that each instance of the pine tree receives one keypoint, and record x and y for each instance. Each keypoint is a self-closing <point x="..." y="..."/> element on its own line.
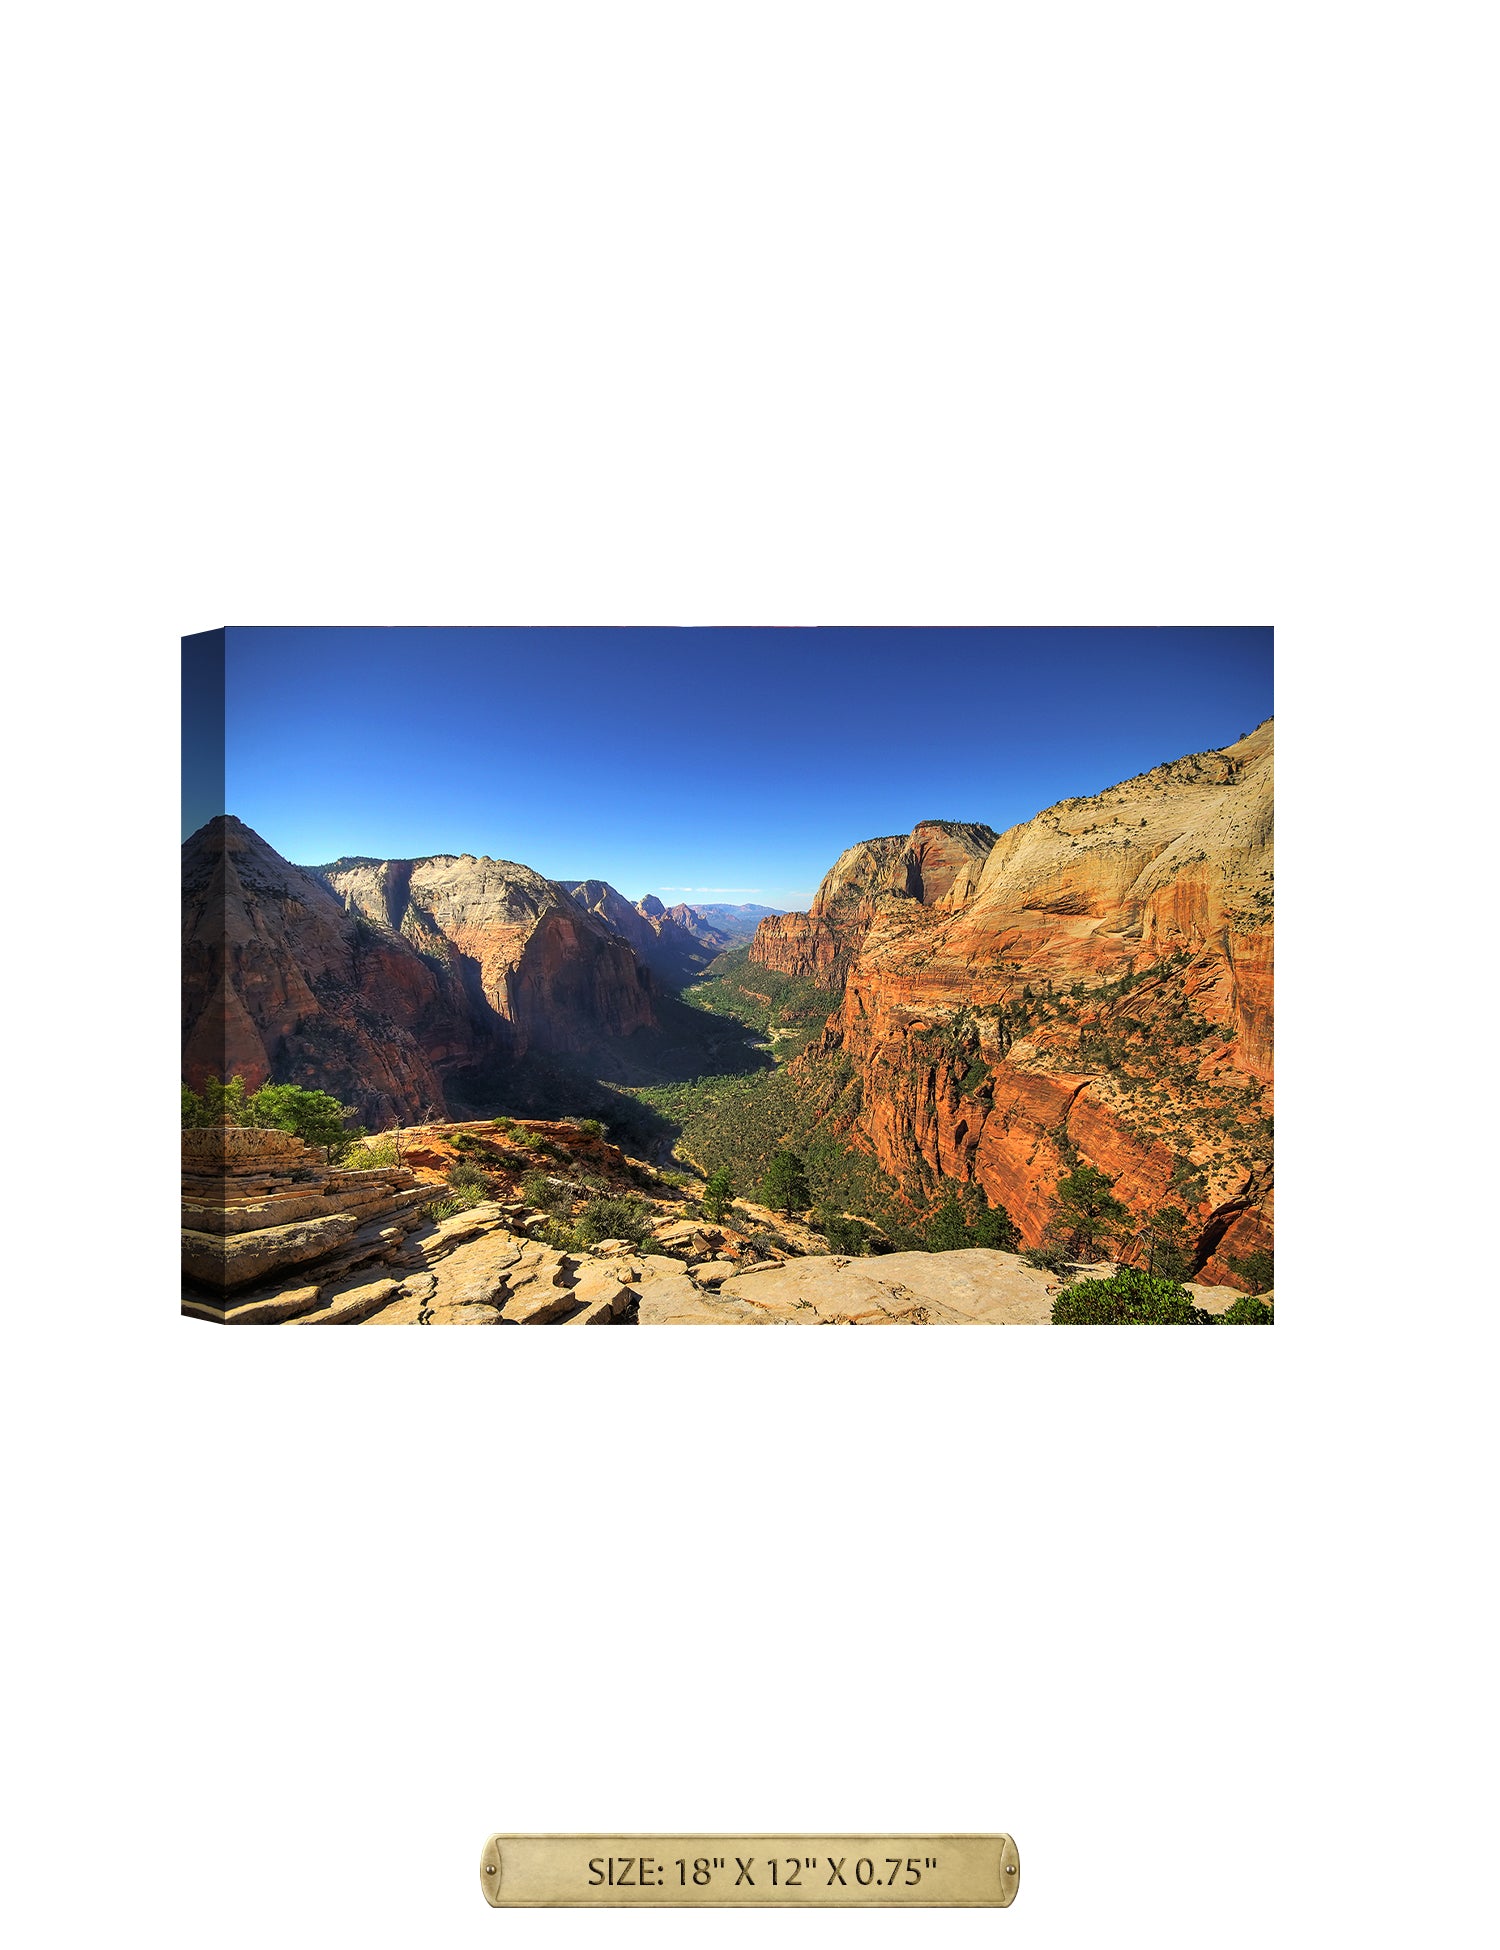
<point x="785" y="1188"/>
<point x="1087" y="1210"/>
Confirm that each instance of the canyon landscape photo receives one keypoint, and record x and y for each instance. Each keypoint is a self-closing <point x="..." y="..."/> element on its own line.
<point x="1007" y="1061"/>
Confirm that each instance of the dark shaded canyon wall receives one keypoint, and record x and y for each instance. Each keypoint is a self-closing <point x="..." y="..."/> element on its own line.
<point x="377" y="980"/>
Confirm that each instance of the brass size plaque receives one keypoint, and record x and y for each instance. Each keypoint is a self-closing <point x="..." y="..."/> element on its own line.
<point x="727" y="1871"/>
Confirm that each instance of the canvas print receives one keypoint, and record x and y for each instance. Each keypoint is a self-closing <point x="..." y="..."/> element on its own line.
<point x="727" y="977"/>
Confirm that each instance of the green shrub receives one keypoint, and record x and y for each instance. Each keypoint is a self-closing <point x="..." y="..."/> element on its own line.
<point x="365" y="1157"/>
<point x="217" y="1103"/>
<point x="1049" y="1258"/>
<point x="945" y="1231"/>
<point x="1249" y="1313"/>
<point x="311" y="1115"/>
<point x="844" y="1235"/>
<point x="469" y="1178"/>
<point x="591" y="1127"/>
<point x="459" y="1199"/>
<point x="613" y="1218"/>
<point x="718" y="1192"/>
<point x="1128" y="1298"/>
<point x="540" y="1191"/>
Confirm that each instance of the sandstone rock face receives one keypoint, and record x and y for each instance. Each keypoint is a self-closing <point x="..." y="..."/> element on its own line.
<point x="259" y="1206"/>
<point x="470" y="1270"/>
<point x="377" y="979"/>
<point x="808" y="944"/>
<point x="1095" y="985"/>
<point x="1239" y="1228"/>
<point x="937" y="865"/>
<point x="556" y="977"/>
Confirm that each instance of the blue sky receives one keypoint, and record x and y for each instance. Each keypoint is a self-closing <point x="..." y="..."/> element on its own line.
<point x="711" y="764"/>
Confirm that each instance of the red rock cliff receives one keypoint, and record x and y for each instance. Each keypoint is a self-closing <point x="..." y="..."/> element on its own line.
<point x="1094" y="984"/>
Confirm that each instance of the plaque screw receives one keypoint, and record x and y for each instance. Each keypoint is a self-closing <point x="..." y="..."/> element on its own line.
<point x="1010" y="1868"/>
<point x="489" y="1868"/>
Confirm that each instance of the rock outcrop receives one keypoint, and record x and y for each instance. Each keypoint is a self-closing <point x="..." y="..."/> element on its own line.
<point x="260" y="1206"/>
<point x="378" y="980"/>
<point x="274" y="1237"/>
<point x="937" y="865"/>
<point x="1094" y="985"/>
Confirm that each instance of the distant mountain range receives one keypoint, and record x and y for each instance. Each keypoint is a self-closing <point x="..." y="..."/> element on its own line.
<point x="677" y="942"/>
<point x="737" y="917"/>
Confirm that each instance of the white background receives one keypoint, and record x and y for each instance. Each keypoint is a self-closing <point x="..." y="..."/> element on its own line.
<point x="783" y="313"/>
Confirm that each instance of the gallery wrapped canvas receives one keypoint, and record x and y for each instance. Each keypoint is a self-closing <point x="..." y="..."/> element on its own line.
<point x="665" y="1032"/>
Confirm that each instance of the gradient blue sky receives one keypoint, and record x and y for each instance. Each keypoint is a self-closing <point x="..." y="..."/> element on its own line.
<point x="717" y="764"/>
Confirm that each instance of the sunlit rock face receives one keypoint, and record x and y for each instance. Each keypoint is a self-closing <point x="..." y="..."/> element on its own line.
<point x="956" y="954"/>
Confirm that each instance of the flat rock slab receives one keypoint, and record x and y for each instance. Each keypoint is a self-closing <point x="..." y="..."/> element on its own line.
<point x="243" y="1259"/>
<point x="349" y="1304"/>
<point x="258" y="1311"/>
<point x="1214" y="1299"/>
<point x="672" y="1300"/>
<point x="409" y="1312"/>
<point x="973" y="1287"/>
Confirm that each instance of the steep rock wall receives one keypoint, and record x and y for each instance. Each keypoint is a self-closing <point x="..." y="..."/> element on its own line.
<point x="377" y="979"/>
<point x="1095" y="985"/>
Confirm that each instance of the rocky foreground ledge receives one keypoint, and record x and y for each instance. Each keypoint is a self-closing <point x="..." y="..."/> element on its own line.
<point x="272" y="1236"/>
